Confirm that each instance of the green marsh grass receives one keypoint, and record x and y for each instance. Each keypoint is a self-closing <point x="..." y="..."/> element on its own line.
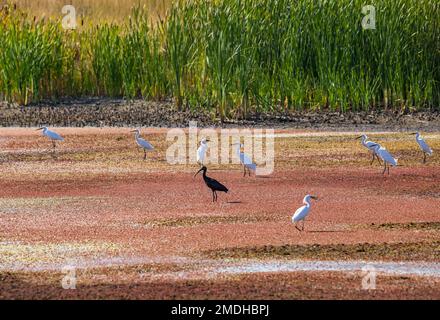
<point x="234" y="56"/>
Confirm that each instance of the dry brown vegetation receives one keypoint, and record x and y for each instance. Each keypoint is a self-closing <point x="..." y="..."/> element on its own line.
<point x="113" y="10"/>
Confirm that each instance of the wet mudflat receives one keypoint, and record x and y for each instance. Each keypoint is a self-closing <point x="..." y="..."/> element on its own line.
<point x="129" y="224"/>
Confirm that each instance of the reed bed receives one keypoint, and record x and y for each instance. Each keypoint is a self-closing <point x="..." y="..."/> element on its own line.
<point x="234" y="56"/>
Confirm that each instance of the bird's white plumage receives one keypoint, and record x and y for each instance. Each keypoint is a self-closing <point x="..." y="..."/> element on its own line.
<point x="423" y="145"/>
<point x="52" y="135"/>
<point x="385" y="155"/>
<point x="201" y="151"/>
<point x="302" y="212"/>
<point x="244" y="159"/>
<point x="370" y="145"/>
<point x="144" y="144"/>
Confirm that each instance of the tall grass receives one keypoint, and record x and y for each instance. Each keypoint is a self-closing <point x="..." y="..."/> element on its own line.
<point x="235" y="56"/>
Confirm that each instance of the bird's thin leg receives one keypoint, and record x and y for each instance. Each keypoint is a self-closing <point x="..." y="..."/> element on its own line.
<point x="296" y="226"/>
<point x="384" y="168"/>
<point x="145" y="154"/>
<point x="215" y="192"/>
<point x="244" y="171"/>
<point x="424" y="157"/>
<point x="388" y="169"/>
<point x="378" y="159"/>
<point x="213" y="196"/>
<point x="249" y="172"/>
<point x="372" y="160"/>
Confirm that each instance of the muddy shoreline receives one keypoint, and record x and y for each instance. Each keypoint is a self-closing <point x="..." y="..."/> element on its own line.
<point x="105" y="112"/>
<point x="126" y="283"/>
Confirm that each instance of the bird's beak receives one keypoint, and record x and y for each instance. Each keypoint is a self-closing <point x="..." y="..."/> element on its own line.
<point x="359" y="137"/>
<point x="133" y="131"/>
<point x="39" y="129"/>
<point x="314" y="197"/>
<point x="198" y="172"/>
<point x="207" y="140"/>
<point x="414" y="133"/>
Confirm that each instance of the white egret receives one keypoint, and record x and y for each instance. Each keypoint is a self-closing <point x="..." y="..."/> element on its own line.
<point x="53" y="136"/>
<point x="370" y="145"/>
<point x="302" y="212"/>
<point x="201" y="151"/>
<point x="387" y="158"/>
<point x="423" y="145"/>
<point x="245" y="160"/>
<point x="144" y="144"/>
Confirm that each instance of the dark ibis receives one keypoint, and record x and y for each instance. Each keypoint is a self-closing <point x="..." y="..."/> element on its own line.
<point x="212" y="184"/>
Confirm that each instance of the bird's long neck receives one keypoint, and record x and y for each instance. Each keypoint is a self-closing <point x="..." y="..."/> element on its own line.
<point x="364" y="140"/>
<point x="44" y="130"/>
<point x="417" y="136"/>
<point x="307" y="202"/>
<point x="137" y="135"/>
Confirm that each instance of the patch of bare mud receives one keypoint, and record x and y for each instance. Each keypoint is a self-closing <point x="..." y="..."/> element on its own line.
<point x="426" y="251"/>
<point x="194" y="221"/>
<point x="408" y="226"/>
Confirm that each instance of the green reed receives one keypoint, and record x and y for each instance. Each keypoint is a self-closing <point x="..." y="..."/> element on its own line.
<point x="234" y="56"/>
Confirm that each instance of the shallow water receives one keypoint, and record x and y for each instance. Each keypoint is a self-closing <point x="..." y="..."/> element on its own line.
<point x="427" y="269"/>
<point x="201" y="268"/>
<point x="89" y="263"/>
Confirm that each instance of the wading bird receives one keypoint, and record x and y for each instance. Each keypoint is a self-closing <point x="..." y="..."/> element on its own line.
<point x="144" y="144"/>
<point x="387" y="158"/>
<point x="213" y="184"/>
<point x="302" y="212"/>
<point x="201" y="151"/>
<point x="244" y="159"/>
<point x="53" y="136"/>
<point x="370" y="145"/>
<point x="423" y="145"/>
